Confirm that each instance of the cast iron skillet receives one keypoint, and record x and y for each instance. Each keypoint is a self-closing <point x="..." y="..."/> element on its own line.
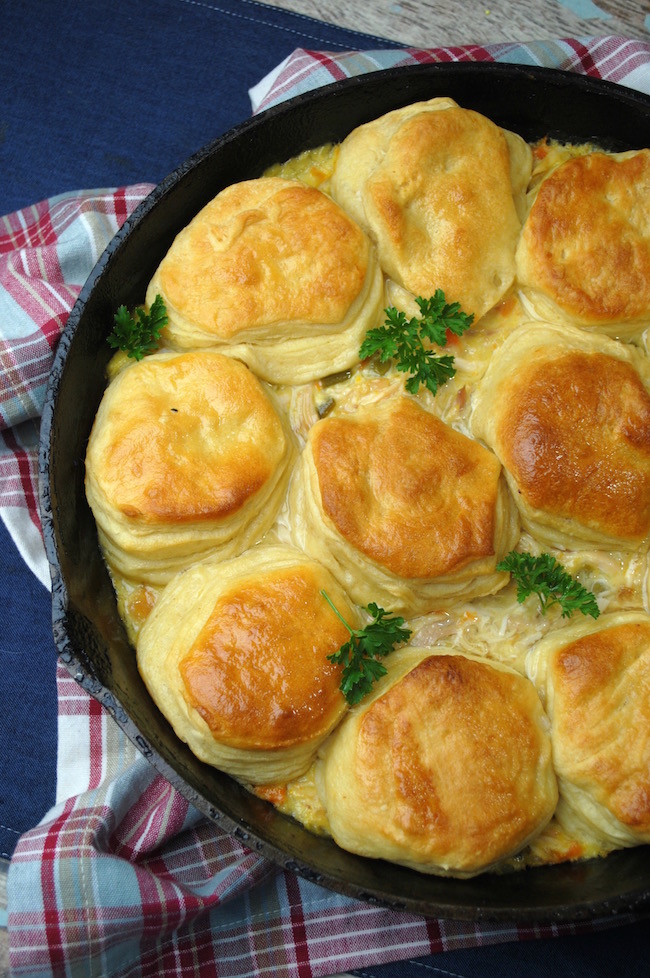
<point x="88" y="632"/>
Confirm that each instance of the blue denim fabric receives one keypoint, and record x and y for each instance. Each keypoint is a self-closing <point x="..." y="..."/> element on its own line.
<point x="622" y="951"/>
<point x="28" y="710"/>
<point x="110" y="92"/>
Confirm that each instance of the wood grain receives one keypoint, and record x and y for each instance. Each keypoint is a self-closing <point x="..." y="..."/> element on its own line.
<point x="449" y="22"/>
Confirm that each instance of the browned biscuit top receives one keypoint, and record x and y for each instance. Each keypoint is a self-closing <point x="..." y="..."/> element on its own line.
<point x="586" y="241"/>
<point x="185" y="438"/>
<point x="574" y="431"/>
<point x="455" y="760"/>
<point x="601" y="718"/>
<point x="406" y="490"/>
<point x="258" y="672"/>
<point x="265" y="253"/>
<point x="435" y="185"/>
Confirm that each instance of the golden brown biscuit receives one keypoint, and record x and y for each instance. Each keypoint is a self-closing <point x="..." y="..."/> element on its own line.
<point x="275" y="273"/>
<point x="585" y="245"/>
<point x="187" y="456"/>
<point x="235" y="656"/>
<point x="447" y="769"/>
<point x="403" y="509"/>
<point x="438" y="187"/>
<point x="568" y="414"/>
<point x="594" y="678"/>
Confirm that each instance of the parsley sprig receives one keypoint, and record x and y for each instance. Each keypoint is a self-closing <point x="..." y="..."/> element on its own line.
<point x="361" y="654"/>
<point x="402" y="340"/>
<point x="139" y="335"/>
<point x="544" y="575"/>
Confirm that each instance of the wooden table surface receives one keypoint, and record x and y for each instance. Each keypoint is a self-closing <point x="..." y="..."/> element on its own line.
<point x="447" y="22"/>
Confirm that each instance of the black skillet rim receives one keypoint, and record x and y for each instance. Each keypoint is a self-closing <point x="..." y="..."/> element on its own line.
<point x="589" y="893"/>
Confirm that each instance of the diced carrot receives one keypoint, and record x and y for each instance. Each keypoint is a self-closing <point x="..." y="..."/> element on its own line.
<point x="541" y="150"/>
<point x="452" y="338"/>
<point x="275" y="793"/>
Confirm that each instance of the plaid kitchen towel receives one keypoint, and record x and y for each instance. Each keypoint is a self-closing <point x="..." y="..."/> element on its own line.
<point x="122" y="877"/>
<point x="615" y="59"/>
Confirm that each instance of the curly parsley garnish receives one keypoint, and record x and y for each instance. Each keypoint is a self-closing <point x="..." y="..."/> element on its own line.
<point x="544" y="575"/>
<point x="139" y="335"/>
<point x="360" y="656"/>
<point x="401" y="339"/>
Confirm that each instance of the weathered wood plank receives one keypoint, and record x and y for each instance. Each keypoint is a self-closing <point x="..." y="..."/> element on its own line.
<point x="448" y="22"/>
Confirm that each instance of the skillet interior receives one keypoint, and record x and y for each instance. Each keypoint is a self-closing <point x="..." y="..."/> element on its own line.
<point x="88" y="632"/>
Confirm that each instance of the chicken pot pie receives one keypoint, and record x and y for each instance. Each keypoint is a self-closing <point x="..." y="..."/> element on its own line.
<point x="311" y="475"/>
<point x="568" y="415"/>
<point x="438" y="188"/>
<point x="402" y="508"/>
<point x="187" y="456"/>
<point x="594" y="678"/>
<point x="275" y="273"/>
<point x="446" y="769"/>
<point x="235" y="656"/>
<point x="585" y="246"/>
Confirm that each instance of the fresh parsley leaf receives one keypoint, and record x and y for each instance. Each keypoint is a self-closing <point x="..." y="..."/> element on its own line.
<point x="139" y="335"/>
<point x="401" y="339"/>
<point x="544" y="575"/>
<point x="360" y="655"/>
